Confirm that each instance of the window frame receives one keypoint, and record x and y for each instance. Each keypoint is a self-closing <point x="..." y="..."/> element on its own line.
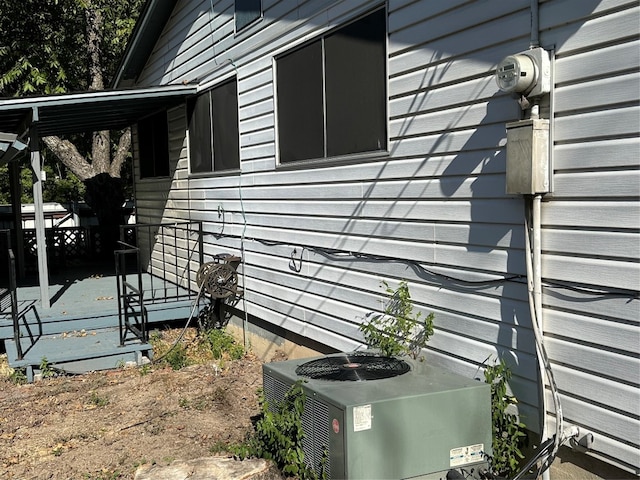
<point x="383" y="121"/>
<point x="215" y="149"/>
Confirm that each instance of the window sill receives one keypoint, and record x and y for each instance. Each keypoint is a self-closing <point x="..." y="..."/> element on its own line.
<point x="333" y="161"/>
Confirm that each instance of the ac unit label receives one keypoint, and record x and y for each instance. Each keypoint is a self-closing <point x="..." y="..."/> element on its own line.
<point x="465" y="455"/>
<point x="362" y="418"/>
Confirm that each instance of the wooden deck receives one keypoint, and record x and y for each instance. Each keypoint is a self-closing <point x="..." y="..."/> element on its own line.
<point x="80" y="331"/>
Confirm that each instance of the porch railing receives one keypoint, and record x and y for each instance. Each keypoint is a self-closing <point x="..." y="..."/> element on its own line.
<point x="170" y="252"/>
<point x="9" y="305"/>
<point x="132" y="314"/>
<point x="8" y="288"/>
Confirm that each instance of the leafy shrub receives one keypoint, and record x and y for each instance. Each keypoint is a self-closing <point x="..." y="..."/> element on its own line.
<point x="508" y="432"/>
<point x="278" y="435"/>
<point x="399" y="331"/>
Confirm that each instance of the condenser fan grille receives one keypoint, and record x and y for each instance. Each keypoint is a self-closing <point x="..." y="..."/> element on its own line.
<point x="353" y="367"/>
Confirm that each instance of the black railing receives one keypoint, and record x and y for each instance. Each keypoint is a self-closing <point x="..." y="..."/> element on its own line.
<point x="8" y="288"/>
<point x="170" y="252"/>
<point x="132" y="314"/>
<point x="9" y="296"/>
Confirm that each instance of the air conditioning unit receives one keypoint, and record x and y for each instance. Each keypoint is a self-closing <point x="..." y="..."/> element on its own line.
<point x="369" y="417"/>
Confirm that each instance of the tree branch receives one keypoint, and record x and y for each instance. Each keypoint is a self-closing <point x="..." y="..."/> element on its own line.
<point x="124" y="145"/>
<point x="69" y="156"/>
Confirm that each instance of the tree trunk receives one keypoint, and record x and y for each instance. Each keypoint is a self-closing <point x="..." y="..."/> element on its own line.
<point x="105" y="195"/>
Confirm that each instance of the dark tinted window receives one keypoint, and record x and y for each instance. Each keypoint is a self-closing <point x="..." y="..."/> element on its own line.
<point x="246" y="12"/>
<point x="213" y="129"/>
<point x="332" y="93"/>
<point x="300" y="104"/>
<point x="153" y="143"/>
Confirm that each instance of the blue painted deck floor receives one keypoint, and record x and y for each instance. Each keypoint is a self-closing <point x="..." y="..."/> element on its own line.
<point x="79" y="332"/>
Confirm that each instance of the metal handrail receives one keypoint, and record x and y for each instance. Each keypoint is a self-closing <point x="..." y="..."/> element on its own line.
<point x="163" y="260"/>
<point x="130" y="296"/>
<point x="13" y="289"/>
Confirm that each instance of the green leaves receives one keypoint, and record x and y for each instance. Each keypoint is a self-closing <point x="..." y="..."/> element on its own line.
<point x="279" y="433"/>
<point x="44" y="44"/>
<point x="399" y="331"/>
<point x="508" y="432"/>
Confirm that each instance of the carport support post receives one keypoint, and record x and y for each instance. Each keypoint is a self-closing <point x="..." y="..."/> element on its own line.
<point x="41" y="241"/>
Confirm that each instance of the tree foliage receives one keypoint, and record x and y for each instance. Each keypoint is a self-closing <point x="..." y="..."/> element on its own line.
<point x="45" y="47"/>
<point x="60" y="46"/>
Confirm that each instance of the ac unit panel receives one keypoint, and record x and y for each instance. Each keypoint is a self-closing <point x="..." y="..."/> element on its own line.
<point x="420" y="424"/>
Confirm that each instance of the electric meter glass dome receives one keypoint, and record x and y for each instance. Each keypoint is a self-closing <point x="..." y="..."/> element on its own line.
<point x="516" y="73"/>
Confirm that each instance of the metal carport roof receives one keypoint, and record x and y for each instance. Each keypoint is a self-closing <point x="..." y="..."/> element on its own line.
<point x="23" y="121"/>
<point x="88" y="111"/>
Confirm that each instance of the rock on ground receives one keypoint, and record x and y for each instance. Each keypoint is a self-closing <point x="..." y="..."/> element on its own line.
<point x="211" y="468"/>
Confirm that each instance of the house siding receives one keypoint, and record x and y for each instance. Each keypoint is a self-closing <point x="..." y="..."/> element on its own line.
<point x="434" y="211"/>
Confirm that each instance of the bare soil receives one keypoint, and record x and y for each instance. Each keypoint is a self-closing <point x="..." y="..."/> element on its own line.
<point x="103" y="425"/>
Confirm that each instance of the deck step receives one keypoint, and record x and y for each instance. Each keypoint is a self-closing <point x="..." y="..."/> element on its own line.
<point x="60" y="324"/>
<point x="81" y="351"/>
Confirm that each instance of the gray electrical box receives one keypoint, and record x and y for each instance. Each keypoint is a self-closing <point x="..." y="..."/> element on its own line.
<point x="528" y="171"/>
<point x="416" y="425"/>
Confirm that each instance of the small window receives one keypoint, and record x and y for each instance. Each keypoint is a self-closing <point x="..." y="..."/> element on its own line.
<point x="247" y="11"/>
<point x="153" y="143"/>
<point x="332" y="93"/>
<point x="213" y="129"/>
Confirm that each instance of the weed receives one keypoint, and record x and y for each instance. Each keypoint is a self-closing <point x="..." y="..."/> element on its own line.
<point x="221" y="342"/>
<point x="18" y="376"/>
<point x="278" y="435"/>
<point x="508" y="432"/>
<point x="177" y="357"/>
<point x="103" y="474"/>
<point x="98" y="400"/>
<point x="399" y="331"/>
<point x="45" y="368"/>
<point x="218" y="447"/>
<point x="145" y="370"/>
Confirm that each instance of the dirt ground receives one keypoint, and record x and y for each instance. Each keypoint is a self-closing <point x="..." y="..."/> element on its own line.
<point x="103" y="425"/>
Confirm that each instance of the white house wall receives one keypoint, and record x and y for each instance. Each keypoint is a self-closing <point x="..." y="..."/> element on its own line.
<point x="317" y="241"/>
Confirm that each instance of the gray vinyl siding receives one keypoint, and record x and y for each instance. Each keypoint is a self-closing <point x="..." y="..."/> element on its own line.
<point x="438" y="199"/>
<point x="590" y="225"/>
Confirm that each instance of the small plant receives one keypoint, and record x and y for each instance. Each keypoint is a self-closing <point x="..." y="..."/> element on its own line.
<point x="278" y="435"/>
<point x="222" y="342"/>
<point x="104" y="474"/>
<point x="508" y="432"/>
<point x="98" y="400"/>
<point x="145" y="370"/>
<point x="177" y="357"/>
<point x="45" y="368"/>
<point x="399" y="331"/>
<point x="18" y="376"/>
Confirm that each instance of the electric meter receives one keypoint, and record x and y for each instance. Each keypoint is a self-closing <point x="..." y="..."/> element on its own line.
<point x="516" y="73"/>
<point x="525" y="72"/>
